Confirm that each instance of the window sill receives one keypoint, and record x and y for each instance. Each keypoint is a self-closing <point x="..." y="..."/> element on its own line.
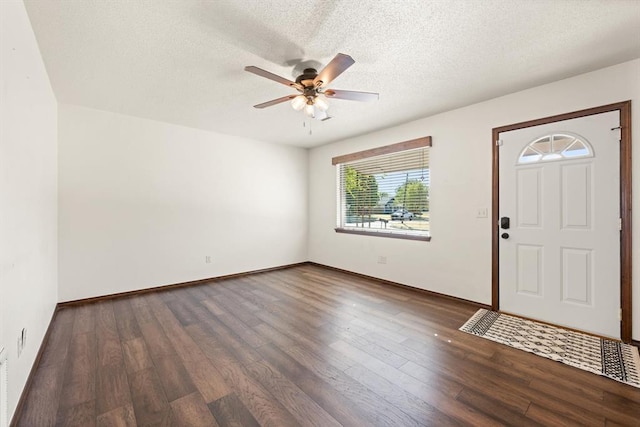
<point x="384" y="234"/>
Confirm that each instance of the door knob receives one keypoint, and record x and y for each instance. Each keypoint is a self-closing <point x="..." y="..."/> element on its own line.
<point x="505" y="235"/>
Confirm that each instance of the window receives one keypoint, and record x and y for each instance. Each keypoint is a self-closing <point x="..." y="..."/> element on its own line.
<point x="385" y="191"/>
<point x="555" y="147"/>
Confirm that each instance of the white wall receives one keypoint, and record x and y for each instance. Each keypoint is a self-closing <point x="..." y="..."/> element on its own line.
<point x="141" y="203"/>
<point x="28" y="186"/>
<point x="457" y="261"/>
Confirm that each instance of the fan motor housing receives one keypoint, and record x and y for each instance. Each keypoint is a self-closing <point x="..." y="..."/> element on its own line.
<point x="307" y="77"/>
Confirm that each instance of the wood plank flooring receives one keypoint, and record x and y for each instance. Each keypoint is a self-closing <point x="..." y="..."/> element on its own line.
<point x="303" y="346"/>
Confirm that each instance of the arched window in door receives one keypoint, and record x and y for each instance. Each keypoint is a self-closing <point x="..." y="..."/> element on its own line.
<point x="555" y="147"/>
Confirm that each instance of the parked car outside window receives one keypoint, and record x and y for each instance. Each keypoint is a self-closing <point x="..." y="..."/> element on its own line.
<point x="402" y="214"/>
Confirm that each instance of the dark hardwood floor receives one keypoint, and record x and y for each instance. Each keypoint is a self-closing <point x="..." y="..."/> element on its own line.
<point x="301" y="346"/>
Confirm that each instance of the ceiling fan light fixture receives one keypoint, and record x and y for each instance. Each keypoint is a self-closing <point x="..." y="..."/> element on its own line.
<point x="299" y="102"/>
<point x="321" y="103"/>
<point x="309" y="110"/>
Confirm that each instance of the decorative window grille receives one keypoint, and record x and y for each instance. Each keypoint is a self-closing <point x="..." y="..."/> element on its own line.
<point x="555" y="147"/>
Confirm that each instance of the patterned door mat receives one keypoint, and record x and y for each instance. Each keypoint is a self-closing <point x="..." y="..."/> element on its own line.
<point x="609" y="358"/>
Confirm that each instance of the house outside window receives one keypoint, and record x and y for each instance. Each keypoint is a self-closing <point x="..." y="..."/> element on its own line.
<point x="384" y="191"/>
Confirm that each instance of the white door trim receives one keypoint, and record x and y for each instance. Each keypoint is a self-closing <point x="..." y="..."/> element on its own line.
<point x="624" y="109"/>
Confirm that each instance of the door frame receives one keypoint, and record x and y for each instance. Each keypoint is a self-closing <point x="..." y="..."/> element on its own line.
<point x="625" y="203"/>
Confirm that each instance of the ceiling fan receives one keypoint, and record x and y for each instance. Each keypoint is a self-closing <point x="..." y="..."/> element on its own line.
<point x="311" y="85"/>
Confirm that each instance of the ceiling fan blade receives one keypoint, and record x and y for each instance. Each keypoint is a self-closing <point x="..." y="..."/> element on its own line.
<point x="275" y="101"/>
<point x="351" y="95"/>
<point x="276" y="78"/>
<point x="333" y="69"/>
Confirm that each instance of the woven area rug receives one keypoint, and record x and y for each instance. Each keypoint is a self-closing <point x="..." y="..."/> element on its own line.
<point x="609" y="358"/>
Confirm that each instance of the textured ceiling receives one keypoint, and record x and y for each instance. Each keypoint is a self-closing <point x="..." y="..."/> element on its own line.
<point x="181" y="61"/>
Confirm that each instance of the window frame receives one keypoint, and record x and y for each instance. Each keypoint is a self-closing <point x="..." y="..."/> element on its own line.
<point x="412" y="144"/>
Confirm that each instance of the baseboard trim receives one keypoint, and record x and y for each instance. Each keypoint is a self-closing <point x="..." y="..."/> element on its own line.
<point x="263" y="270"/>
<point x="400" y="285"/>
<point x="174" y="285"/>
<point x="36" y="363"/>
<point x="636" y="343"/>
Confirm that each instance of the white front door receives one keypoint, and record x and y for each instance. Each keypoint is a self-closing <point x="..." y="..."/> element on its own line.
<point x="560" y="255"/>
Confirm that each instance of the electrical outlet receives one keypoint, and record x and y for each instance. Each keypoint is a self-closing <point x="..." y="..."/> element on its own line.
<point x="482" y="213"/>
<point x="207" y="259"/>
<point x="382" y="260"/>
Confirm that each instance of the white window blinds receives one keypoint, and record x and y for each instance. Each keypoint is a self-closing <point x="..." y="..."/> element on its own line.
<point x="385" y="191"/>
